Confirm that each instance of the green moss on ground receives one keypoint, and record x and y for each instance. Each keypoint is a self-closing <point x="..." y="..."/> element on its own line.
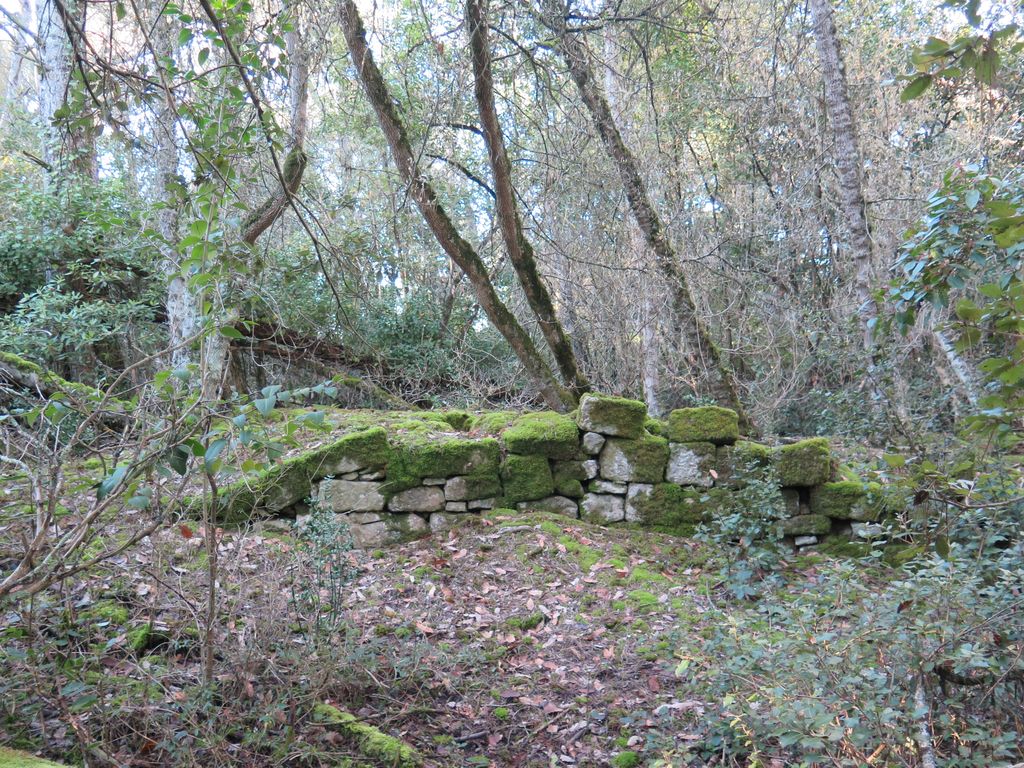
<point x="806" y="463"/>
<point x="610" y="415"/>
<point x="526" y="623"/>
<point x="544" y="433"/>
<point x="626" y="760"/>
<point x="109" y="611"/>
<point x="371" y="742"/>
<point x="526" y="478"/>
<point x="12" y="758"/>
<point x="709" y="424"/>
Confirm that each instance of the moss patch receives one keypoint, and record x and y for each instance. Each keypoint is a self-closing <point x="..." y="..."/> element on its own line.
<point x="638" y="461"/>
<point x="526" y="478"/>
<point x="545" y="433"/>
<point x="806" y="463"/>
<point x="292" y="480"/>
<point x="612" y="415"/>
<point x="709" y="424"/>
<point x="424" y="453"/>
<point x="372" y="742"/>
<point x="807" y="525"/>
<point x="847" y="500"/>
<point x="672" y="509"/>
<point x="494" y="422"/>
<point x="12" y="758"/>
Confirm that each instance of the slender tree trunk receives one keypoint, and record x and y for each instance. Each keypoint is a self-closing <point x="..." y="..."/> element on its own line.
<point x="698" y="336"/>
<point x="421" y="191"/>
<point x="519" y="250"/>
<point x="848" y="160"/>
<point x="19" y="53"/>
<point x="182" y="304"/>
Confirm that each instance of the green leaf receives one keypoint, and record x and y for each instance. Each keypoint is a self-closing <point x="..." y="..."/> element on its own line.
<point x="971" y="199"/>
<point x="108" y="484"/>
<point x="178" y="459"/>
<point x="894" y="460"/>
<point x="917" y="86"/>
<point x="229" y="331"/>
<point x="265" y="405"/>
<point x="942" y="547"/>
<point x="213" y="451"/>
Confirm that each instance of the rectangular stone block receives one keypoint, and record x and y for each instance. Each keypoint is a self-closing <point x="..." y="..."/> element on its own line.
<point x="351" y="495"/>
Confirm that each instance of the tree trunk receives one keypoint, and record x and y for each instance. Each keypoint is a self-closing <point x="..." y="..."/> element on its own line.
<point x="182" y="304"/>
<point x="19" y="54"/>
<point x="54" y="76"/>
<point x="577" y="59"/>
<point x="519" y="250"/>
<point x="457" y="247"/>
<point x="848" y="160"/>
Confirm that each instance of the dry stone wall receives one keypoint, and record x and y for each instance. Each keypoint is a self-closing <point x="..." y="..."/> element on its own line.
<point x="608" y="463"/>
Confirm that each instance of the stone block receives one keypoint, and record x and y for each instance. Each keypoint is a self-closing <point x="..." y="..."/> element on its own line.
<point x="708" y="424"/>
<point x="559" y="505"/>
<point x="615" y="416"/>
<point x="602" y="508"/>
<point x="426" y="498"/>
<point x="592" y="443"/>
<point x="351" y="495"/>
<point x="634" y="461"/>
<point x="691" y="464"/>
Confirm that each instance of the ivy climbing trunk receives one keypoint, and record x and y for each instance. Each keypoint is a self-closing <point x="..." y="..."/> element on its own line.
<point x="458" y="248"/>
<point x="697" y="335"/>
<point x="520" y="252"/>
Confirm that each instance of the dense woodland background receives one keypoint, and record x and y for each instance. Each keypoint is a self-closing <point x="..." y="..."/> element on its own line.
<point x="159" y="153"/>
<point x="219" y="218"/>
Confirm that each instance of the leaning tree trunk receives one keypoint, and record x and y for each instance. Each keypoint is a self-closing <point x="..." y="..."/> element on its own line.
<point x="698" y="336"/>
<point x="519" y="250"/>
<point x="848" y="160"/>
<point x="421" y="191"/>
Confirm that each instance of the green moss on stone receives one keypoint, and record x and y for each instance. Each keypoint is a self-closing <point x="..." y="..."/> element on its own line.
<point x="847" y="500"/>
<point x="526" y="478"/>
<point x="806" y="463"/>
<point x="372" y="742"/>
<point x="430" y="454"/>
<point x="672" y="509"/>
<point x="610" y="415"/>
<point x="460" y="420"/>
<point x="709" y="424"/>
<point x="545" y="433"/>
<point x="641" y="460"/>
<point x="656" y="426"/>
<point x="571" y="488"/>
<point x="807" y="525"/>
<point x="494" y="422"/>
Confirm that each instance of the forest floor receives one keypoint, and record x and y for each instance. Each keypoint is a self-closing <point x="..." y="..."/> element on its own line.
<point x="514" y="640"/>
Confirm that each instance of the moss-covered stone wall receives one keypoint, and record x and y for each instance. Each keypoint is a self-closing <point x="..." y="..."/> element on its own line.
<point x="397" y="477"/>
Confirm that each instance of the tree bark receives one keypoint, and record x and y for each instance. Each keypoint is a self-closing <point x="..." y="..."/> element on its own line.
<point x="577" y="59"/>
<point x="421" y="191"/>
<point x="182" y="304"/>
<point x="519" y="250"/>
<point x="848" y="160"/>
